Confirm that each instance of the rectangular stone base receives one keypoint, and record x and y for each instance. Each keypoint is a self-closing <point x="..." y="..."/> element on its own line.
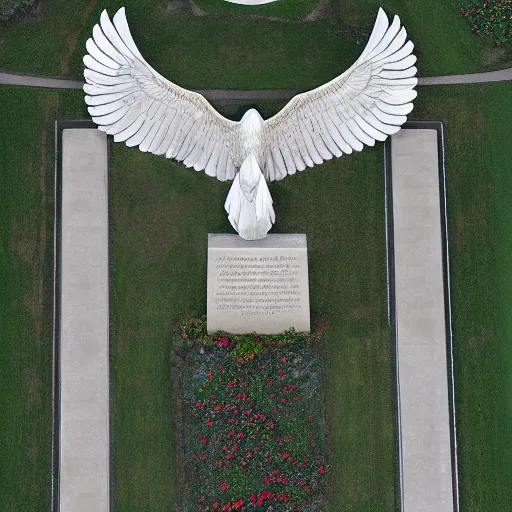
<point x="257" y="286"/>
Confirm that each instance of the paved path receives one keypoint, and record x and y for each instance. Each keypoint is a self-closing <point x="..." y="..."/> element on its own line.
<point x="425" y="449"/>
<point x="84" y="368"/>
<point x="260" y="95"/>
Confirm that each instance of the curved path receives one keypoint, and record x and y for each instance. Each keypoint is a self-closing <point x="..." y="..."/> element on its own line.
<point x="261" y="95"/>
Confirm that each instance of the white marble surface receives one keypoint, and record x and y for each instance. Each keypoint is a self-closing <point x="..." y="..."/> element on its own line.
<point x="251" y="2"/>
<point x="128" y="99"/>
<point x="84" y="369"/>
<point x="260" y="286"/>
<point x="421" y="328"/>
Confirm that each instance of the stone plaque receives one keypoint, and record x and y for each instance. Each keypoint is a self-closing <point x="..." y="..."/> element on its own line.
<point x="257" y="286"/>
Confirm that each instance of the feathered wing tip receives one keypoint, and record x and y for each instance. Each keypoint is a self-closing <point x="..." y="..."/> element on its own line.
<point x="365" y="104"/>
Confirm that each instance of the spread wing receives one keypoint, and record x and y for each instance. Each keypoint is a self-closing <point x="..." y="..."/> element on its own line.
<point x="127" y="98"/>
<point x="366" y="103"/>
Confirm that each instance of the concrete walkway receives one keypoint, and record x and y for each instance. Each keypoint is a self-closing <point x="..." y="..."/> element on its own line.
<point x="420" y="327"/>
<point x="84" y="367"/>
<point x="256" y="95"/>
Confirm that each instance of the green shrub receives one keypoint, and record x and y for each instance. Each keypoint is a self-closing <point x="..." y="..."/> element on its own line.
<point x="490" y="18"/>
<point x="10" y="9"/>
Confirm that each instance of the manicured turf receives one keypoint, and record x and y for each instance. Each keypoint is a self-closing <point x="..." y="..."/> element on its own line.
<point x="161" y="215"/>
<point x="241" y="52"/>
<point x="26" y="265"/>
<point x="282" y="8"/>
<point x="479" y="182"/>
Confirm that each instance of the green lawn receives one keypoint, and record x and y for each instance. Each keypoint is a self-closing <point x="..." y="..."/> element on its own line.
<point x="26" y="265"/>
<point x="161" y="216"/>
<point x="479" y="182"/>
<point x="241" y="52"/>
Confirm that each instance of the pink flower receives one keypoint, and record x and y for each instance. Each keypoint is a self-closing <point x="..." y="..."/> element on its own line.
<point x="224" y="486"/>
<point x="283" y="359"/>
<point x="321" y="470"/>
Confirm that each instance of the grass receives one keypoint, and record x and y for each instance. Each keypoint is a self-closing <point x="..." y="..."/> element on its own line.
<point x="161" y="215"/>
<point x="26" y="264"/>
<point x="283" y="8"/>
<point x="216" y="52"/>
<point x="478" y="153"/>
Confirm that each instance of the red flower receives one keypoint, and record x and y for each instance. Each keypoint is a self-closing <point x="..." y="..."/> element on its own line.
<point x="283" y="359"/>
<point x="218" y="408"/>
<point x="219" y="463"/>
<point x="209" y="421"/>
<point x="249" y="454"/>
<point x="321" y="470"/>
<point x="220" y="367"/>
<point x="310" y="418"/>
<point x="210" y="375"/>
<point x="238" y="504"/>
<point x="224" y="486"/>
<point x="204" y="441"/>
<point x="222" y="342"/>
<point x="266" y="480"/>
<point x="285" y="455"/>
<point x="270" y="382"/>
<point x="283" y="401"/>
<point x="254" y="498"/>
<point x="270" y="424"/>
<point x="232" y="383"/>
<point x="215" y="505"/>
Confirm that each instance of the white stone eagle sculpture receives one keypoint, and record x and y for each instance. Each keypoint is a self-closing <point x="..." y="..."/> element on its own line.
<point x="128" y="99"/>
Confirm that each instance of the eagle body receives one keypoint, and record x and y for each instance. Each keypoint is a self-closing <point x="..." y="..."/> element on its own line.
<point x="128" y="99"/>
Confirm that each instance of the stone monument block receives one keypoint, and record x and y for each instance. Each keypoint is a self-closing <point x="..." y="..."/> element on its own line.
<point x="257" y="286"/>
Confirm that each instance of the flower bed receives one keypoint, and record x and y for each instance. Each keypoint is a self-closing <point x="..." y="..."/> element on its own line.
<point x="251" y="414"/>
<point x="490" y="18"/>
